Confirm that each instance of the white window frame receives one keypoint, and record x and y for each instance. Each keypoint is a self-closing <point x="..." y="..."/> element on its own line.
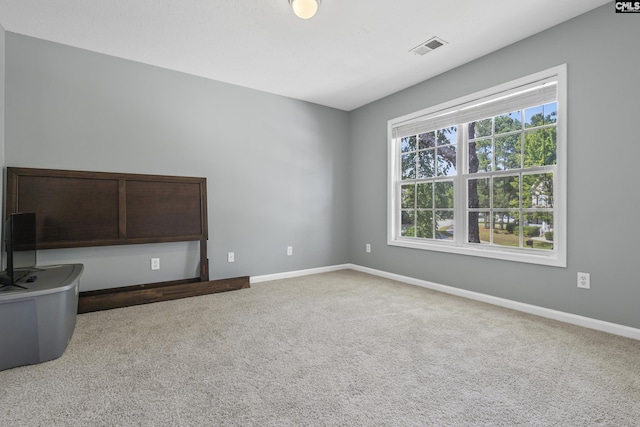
<point x="556" y="257"/>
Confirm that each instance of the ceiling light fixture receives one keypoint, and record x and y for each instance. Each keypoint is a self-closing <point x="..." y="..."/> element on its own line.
<point x="305" y="9"/>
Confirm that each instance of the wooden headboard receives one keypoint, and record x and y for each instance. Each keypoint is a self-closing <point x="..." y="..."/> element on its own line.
<point x="81" y="209"/>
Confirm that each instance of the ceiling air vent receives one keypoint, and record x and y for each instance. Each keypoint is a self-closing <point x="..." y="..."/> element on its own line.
<point x="428" y="46"/>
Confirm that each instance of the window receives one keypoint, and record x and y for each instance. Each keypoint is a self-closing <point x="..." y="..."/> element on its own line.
<point x="484" y="175"/>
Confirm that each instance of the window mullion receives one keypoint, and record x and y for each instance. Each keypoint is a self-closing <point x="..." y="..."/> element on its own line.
<point x="460" y="192"/>
<point x="520" y="212"/>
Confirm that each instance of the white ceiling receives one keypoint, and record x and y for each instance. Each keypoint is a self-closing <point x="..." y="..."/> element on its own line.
<point x="351" y="53"/>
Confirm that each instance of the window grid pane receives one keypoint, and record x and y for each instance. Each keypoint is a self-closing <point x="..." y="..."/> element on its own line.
<point x="427" y="200"/>
<point x="513" y="211"/>
<point x="506" y="210"/>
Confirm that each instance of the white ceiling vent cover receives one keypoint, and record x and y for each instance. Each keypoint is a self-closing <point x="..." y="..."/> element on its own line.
<point x="426" y="47"/>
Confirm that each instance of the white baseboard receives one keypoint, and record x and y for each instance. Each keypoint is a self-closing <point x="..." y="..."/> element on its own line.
<point x="299" y="273"/>
<point x="574" y="319"/>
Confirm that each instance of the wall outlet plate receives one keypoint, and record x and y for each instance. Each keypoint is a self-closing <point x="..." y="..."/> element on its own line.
<point x="231" y="257"/>
<point x="367" y="248"/>
<point x="155" y="263"/>
<point x="584" y="280"/>
<point x="289" y="250"/>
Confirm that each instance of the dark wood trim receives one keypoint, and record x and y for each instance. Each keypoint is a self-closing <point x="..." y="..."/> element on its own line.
<point x="204" y="211"/>
<point x="122" y="209"/>
<point x="204" y="262"/>
<point x="106" y="299"/>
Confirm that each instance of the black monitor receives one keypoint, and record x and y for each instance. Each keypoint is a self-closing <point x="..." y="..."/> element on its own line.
<point x="20" y="243"/>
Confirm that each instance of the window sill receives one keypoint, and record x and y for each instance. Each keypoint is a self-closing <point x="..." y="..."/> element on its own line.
<point x="548" y="258"/>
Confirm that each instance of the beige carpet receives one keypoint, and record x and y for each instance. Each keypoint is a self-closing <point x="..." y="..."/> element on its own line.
<point x="341" y="348"/>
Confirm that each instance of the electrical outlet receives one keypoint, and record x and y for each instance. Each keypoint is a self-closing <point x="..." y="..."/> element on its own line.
<point x="155" y="263"/>
<point x="231" y="257"/>
<point x="584" y="280"/>
<point x="289" y="250"/>
<point x="367" y="248"/>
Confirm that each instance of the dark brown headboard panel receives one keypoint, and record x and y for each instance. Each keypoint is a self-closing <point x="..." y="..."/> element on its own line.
<point x="80" y="209"/>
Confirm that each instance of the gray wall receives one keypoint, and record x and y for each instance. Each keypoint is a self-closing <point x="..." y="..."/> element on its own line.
<point x="275" y="167"/>
<point x="600" y="49"/>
